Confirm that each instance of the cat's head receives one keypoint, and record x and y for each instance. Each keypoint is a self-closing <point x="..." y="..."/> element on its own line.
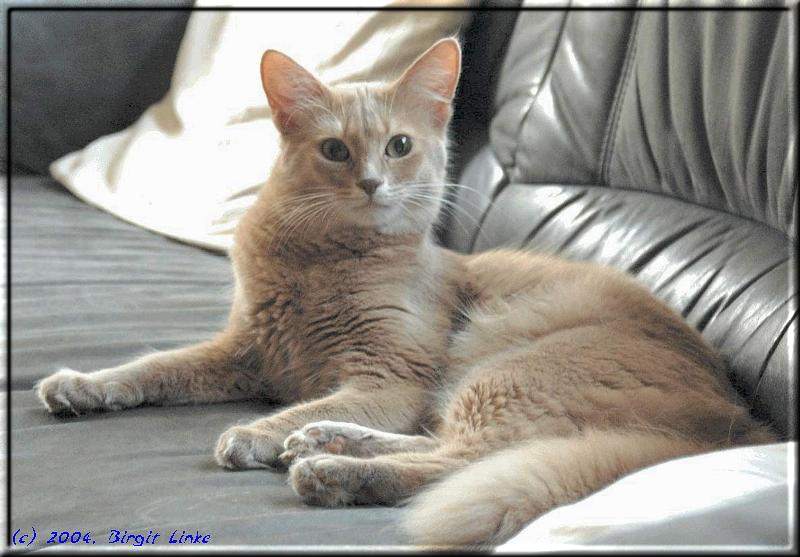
<point x="369" y="155"/>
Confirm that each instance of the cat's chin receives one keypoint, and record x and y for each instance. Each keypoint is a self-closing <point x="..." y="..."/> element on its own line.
<point x="386" y="217"/>
<point x="386" y="220"/>
<point x="374" y="213"/>
<point x="401" y="225"/>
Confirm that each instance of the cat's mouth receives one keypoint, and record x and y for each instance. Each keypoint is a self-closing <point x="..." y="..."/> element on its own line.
<point x="374" y="204"/>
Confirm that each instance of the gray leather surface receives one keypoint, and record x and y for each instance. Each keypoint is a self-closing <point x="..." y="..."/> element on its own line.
<point x="556" y="90"/>
<point x="151" y="469"/>
<point x="68" y="88"/>
<point x="704" y="113"/>
<point x="661" y="143"/>
<point x="695" y="105"/>
<point x="90" y="291"/>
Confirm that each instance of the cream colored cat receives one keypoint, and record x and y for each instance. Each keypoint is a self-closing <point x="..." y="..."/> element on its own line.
<point x="511" y="382"/>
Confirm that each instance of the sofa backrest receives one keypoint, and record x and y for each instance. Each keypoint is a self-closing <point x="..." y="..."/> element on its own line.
<point x="661" y="143"/>
<point x="78" y="75"/>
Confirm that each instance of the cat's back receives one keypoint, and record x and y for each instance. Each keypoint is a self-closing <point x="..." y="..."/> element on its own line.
<point x="522" y="295"/>
<point x="573" y="291"/>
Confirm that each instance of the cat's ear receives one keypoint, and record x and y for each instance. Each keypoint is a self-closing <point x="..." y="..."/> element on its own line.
<point x="431" y="80"/>
<point x="290" y="88"/>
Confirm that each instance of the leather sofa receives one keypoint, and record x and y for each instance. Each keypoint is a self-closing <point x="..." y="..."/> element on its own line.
<point x="661" y="143"/>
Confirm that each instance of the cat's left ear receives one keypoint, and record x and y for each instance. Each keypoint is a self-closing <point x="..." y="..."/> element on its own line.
<point x="432" y="79"/>
<point x="292" y="91"/>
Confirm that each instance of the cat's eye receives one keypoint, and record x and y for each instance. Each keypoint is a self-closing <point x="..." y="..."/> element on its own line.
<point x="398" y="146"/>
<point x="334" y="150"/>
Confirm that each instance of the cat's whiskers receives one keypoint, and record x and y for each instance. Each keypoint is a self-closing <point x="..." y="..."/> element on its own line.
<point x="447" y="186"/>
<point x="318" y="218"/>
<point x="412" y="215"/>
<point x="309" y="206"/>
<point x="303" y="224"/>
<point x="449" y="207"/>
<point x="323" y="217"/>
<point x="417" y="186"/>
<point x="303" y="203"/>
<point x="297" y="200"/>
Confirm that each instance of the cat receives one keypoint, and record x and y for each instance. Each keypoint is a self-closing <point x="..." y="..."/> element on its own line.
<point x="482" y="390"/>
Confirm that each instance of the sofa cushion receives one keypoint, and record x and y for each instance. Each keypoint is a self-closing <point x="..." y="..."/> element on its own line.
<point x="705" y="113"/>
<point x="90" y="291"/>
<point x="69" y="88"/>
<point x="556" y="92"/>
<point x="151" y="469"/>
<point x="694" y="105"/>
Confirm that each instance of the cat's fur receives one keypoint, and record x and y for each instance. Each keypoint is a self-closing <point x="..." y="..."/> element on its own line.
<point x="508" y="381"/>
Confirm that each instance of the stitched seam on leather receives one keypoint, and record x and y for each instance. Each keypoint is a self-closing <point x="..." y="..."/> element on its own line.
<point x="616" y="106"/>
<point x="545" y="75"/>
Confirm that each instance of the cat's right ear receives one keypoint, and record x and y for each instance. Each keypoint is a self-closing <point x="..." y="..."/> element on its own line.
<point x="289" y="88"/>
<point x="431" y="80"/>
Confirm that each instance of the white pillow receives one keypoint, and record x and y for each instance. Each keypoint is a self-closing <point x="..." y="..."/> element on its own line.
<point x="194" y="161"/>
<point x="736" y="497"/>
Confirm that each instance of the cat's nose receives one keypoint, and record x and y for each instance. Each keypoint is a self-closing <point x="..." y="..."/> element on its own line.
<point x="369" y="185"/>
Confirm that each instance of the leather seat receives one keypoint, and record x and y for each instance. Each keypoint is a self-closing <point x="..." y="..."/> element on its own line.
<point x="658" y="142"/>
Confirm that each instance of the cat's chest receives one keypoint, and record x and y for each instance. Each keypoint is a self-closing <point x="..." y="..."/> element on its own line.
<point x="302" y="316"/>
<point x="314" y="325"/>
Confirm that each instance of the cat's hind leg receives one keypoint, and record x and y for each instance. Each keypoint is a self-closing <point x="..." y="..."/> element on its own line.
<point x="331" y="480"/>
<point x="350" y="439"/>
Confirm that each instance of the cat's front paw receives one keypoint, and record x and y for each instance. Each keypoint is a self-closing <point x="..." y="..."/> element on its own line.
<point x="70" y="391"/>
<point x="323" y="437"/>
<point x="243" y="447"/>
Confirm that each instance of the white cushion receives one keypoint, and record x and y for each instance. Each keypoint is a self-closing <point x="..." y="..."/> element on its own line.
<point x="735" y="497"/>
<point x="194" y="161"/>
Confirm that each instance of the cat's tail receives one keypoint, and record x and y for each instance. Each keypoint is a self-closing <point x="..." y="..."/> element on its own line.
<point x="489" y="501"/>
